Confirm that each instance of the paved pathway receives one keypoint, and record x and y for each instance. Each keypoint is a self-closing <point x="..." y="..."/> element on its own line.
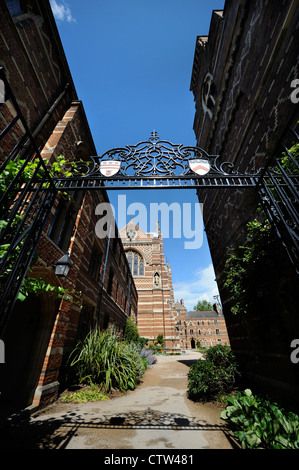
<point x="157" y="415"/>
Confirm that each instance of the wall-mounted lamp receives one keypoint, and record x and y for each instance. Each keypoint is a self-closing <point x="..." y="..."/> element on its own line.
<point x="63" y="265"/>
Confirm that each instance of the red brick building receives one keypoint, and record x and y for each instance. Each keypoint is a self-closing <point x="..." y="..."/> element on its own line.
<point x="42" y="330"/>
<point x="200" y="328"/>
<point x="158" y="313"/>
<point x="153" y="280"/>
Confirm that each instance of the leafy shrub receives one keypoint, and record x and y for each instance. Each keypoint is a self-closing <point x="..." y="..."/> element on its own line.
<point x="132" y="334"/>
<point x="260" y="424"/>
<point x="221" y="355"/>
<point x="131" y="331"/>
<point x="160" y="341"/>
<point x="142" y="342"/>
<point x="158" y="346"/>
<point x="214" y="376"/>
<point x="102" y="359"/>
<point x="140" y="364"/>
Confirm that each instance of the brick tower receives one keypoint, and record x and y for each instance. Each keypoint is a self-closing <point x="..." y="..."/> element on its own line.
<point x="153" y="281"/>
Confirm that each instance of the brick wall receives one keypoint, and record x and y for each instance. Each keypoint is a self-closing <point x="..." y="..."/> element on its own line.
<point x="35" y="65"/>
<point x="252" y="57"/>
<point x="87" y="289"/>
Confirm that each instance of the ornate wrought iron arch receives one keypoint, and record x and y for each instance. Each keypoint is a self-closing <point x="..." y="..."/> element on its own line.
<point x="159" y="164"/>
<point x="26" y="204"/>
<point x="152" y="164"/>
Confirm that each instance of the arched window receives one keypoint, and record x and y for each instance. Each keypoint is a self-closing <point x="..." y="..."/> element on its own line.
<point x="136" y="263"/>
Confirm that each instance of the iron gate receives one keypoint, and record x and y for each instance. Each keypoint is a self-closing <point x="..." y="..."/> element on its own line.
<point x="29" y="191"/>
<point x="278" y="190"/>
<point x="23" y="213"/>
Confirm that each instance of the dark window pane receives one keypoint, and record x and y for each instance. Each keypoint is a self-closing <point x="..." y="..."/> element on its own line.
<point x="135" y="273"/>
<point x="110" y="282"/>
<point x="95" y="263"/>
<point x="141" y="268"/>
<point x="86" y="321"/>
<point x="64" y="219"/>
<point x="15" y="7"/>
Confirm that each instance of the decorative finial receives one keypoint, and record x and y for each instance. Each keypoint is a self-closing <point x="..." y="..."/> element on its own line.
<point x="154" y="136"/>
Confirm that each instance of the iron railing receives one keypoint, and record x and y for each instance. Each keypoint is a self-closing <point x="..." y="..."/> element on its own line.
<point x="23" y="212"/>
<point x="278" y="189"/>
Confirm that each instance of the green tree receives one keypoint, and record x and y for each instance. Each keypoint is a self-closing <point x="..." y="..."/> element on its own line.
<point x="203" y="305"/>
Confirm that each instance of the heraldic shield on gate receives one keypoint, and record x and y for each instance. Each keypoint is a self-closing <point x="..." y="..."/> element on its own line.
<point x="154" y="163"/>
<point x="154" y="157"/>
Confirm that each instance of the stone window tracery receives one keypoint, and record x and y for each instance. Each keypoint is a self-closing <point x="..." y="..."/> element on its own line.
<point x="136" y="263"/>
<point x="208" y="94"/>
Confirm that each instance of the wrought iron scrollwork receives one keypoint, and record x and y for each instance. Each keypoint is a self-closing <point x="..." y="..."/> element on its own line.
<point x="154" y="158"/>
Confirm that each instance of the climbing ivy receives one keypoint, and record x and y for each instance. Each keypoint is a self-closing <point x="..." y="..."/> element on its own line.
<point x="59" y="167"/>
<point x="246" y="273"/>
<point x="247" y="267"/>
<point x="13" y="167"/>
<point x="37" y="286"/>
<point x="286" y="161"/>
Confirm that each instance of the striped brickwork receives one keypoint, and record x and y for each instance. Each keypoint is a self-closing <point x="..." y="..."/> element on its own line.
<point x="155" y="290"/>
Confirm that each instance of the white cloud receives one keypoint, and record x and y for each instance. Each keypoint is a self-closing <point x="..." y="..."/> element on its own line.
<point x="201" y="287"/>
<point x="61" y="11"/>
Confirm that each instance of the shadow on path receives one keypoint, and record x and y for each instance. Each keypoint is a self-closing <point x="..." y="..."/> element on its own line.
<point x="188" y="362"/>
<point x="56" y="433"/>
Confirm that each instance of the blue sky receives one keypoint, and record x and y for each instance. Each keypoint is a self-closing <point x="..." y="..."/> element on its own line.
<point x="131" y="63"/>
